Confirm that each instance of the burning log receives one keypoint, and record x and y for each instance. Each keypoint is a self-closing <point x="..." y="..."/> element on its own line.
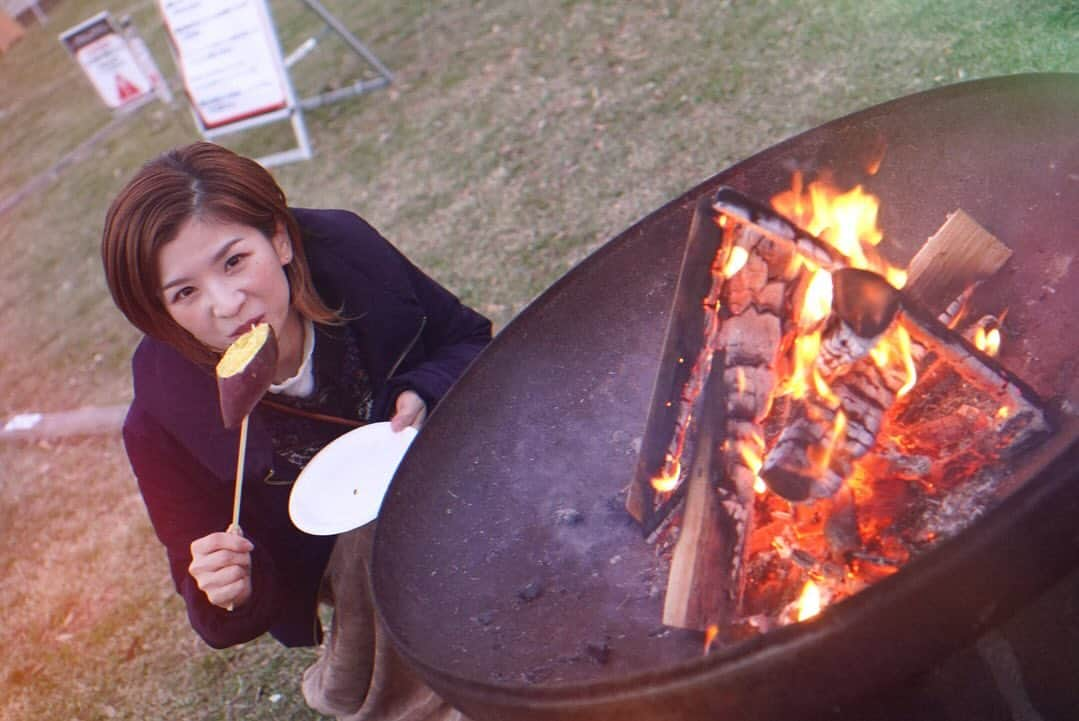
<point x="863" y="308"/>
<point x="732" y="293"/>
<point x="817" y="451"/>
<point x="838" y="421"/>
<point x="776" y="228"/>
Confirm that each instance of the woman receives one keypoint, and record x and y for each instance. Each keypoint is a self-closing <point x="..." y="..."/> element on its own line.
<point x="197" y="248"/>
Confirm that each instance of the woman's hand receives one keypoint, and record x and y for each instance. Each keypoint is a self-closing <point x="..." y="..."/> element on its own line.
<point x="411" y="411"/>
<point x="221" y="566"/>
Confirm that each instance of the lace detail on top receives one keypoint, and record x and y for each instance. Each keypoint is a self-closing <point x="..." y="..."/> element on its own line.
<point x="342" y="388"/>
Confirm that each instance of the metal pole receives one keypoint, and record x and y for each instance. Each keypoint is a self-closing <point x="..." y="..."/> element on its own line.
<point x="349" y="38"/>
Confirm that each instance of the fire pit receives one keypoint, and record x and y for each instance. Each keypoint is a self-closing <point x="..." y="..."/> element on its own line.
<point x="515" y="581"/>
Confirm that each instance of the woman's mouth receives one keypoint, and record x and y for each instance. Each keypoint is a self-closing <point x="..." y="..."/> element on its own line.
<point x="246" y="327"/>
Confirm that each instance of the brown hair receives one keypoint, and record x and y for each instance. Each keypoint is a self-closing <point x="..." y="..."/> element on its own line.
<point x="201" y="180"/>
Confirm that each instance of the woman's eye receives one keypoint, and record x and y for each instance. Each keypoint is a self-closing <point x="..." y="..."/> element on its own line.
<point x="184" y="292"/>
<point x="233" y="260"/>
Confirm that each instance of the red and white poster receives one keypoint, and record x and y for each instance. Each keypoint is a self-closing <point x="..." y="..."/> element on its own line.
<point x="106" y="58"/>
<point x="228" y="56"/>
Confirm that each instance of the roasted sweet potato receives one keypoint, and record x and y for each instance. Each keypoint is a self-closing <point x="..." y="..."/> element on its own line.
<point x="244" y="373"/>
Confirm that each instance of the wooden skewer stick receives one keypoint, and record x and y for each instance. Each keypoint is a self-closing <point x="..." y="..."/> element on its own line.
<point x="234" y="527"/>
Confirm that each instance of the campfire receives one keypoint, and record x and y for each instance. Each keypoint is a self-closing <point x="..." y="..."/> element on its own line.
<point x="820" y="417"/>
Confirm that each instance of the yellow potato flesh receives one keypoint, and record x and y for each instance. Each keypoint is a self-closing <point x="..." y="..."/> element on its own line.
<point x="242" y="351"/>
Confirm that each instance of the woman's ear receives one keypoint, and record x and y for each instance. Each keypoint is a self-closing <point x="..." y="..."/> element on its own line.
<point x="282" y="244"/>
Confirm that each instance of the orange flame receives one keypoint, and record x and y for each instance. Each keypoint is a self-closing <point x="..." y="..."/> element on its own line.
<point x="667" y="480"/>
<point x="824" y="390"/>
<point x="959" y="307"/>
<point x="809" y="602"/>
<point x="753" y="457"/>
<point x="903" y="336"/>
<point x="987" y="341"/>
<point x="818" y="300"/>
<point x="806" y="349"/>
<point x="822" y="460"/>
<point x="815" y="307"/>
<point x="894" y="349"/>
<point x="709" y="636"/>
<point x="847" y="221"/>
<point x="735" y="261"/>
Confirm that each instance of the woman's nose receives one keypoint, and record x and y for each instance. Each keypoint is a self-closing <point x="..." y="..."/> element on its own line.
<point x="225" y="300"/>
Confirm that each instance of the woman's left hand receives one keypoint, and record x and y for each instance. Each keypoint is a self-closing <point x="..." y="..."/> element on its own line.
<point x="411" y="411"/>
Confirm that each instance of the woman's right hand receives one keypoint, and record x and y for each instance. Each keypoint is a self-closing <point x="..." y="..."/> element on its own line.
<point x="221" y="566"/>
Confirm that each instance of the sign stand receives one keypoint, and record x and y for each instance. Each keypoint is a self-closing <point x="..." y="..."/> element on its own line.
<point x="384" y="76"/>
<point x="234" y="73"/>
<point x="109" y="62"/>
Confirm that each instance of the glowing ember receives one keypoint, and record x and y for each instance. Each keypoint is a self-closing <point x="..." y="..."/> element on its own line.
<point x="987" y="341"/>
<point x="809" y="602"/>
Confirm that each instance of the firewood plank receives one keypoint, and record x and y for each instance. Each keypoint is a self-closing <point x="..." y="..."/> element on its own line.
<point x="683" y="339"/>
<point x="699" y="581"/>
<point x="959" y="254"/>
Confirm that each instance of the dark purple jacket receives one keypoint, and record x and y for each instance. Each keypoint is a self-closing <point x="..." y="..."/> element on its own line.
<point x="414" y="335"/>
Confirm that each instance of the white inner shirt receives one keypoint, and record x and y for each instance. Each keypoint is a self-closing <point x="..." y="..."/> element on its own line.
<point x="302" y="384"/>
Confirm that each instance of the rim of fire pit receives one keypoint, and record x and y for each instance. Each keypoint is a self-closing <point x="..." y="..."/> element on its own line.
<point x="997" y="562"/>
<point x="791" y="649"/>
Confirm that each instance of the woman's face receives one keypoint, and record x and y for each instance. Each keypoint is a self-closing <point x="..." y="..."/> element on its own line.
<point x="219" y="279"/>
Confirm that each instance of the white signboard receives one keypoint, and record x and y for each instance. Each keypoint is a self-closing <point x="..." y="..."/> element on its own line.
<point x="228" y="56"/>
<point x="106" y="59"/>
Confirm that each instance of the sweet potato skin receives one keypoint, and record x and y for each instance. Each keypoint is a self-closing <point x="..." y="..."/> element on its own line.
<point x="241" y="382"/>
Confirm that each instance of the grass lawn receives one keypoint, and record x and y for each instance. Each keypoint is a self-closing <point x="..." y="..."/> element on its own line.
<point x="516" y="139"/>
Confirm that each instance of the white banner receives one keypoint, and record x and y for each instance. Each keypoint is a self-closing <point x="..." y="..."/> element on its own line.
<point x="228" y="56"/>
<point x="106" y="59"/>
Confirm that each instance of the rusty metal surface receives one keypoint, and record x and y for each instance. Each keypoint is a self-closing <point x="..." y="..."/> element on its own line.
<point x="505" y="564"/>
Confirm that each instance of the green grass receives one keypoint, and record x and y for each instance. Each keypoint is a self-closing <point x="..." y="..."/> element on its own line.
<point x="517" y="138"/>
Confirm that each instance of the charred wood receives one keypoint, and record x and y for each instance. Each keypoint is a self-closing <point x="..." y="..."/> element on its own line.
<point x="668" y="422"/>
<point x="776" y="228"/>
<point x="706" y="580"/>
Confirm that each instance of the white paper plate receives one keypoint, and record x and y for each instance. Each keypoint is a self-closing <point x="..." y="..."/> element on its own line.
<point x="341" y="488"/>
